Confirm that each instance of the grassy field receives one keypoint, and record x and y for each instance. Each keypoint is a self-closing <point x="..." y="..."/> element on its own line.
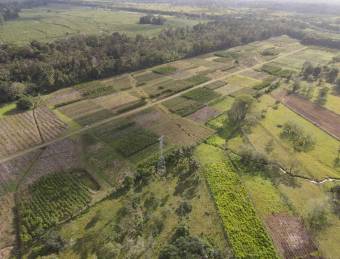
<point x="57" y="21"/>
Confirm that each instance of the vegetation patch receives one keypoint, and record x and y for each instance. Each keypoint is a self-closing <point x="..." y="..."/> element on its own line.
<point x="246" y="233"/>
<point x="299" y="139"/>
<point x="133" y="140"/>
<point x="104" y="87"/>
<point x="276" y="70"/>
<point x="215" y="85"/>
<point x="49" y="201"/>
<point x="202" y="95"/>
<point x="165" y="70"/>
<point x="145" y="77"/>
<point x="183" y="106"/>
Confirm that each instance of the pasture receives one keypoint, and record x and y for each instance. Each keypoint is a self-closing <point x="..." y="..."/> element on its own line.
<point x="53" y="22"/>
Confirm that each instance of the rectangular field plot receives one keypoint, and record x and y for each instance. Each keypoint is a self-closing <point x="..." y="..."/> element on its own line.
<point x="126" y="137"/>
<point x="145" y="77"/>
<point x="61" y="156"/>
<point x="291" y="237"/>
<point x="12" y="170"/>
<point x="85" y="112"/>
<point x="204" y="115"/>
<point x="105" y="87"/>
<point x="215" y="85"/>
<point x="169" y="87"/>
<point x="202" y="95"/>
<point x="182" y="131"/>
<point x="246" y="233"/>
<point x="242" y="81"/>
<point x="63" y="97"/>
<point x="49" y="201"/>
<point x="257" y="75"/>
<point x="115" y="101"/>
<point x="183" y="106"/>
<point x="135" y="139"/>
<point x="20" y="131"/>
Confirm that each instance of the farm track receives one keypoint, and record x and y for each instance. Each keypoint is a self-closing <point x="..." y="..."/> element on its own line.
<point x="142" y="108"/>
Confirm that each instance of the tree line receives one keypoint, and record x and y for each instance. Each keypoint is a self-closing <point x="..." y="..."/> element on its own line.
<point x="11" y="10"/>
<point x="43" y="67"/>
<point x="8" y="11"/>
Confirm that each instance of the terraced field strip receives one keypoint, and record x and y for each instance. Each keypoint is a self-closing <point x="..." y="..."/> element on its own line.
<point x="139" y="109"/>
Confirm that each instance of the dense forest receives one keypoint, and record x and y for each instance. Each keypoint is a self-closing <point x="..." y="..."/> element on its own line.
<point x="43" y="67"/>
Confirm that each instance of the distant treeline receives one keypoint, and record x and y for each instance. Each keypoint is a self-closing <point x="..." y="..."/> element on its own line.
<point x="10" y="10"/>
<point x="44" y="67"/>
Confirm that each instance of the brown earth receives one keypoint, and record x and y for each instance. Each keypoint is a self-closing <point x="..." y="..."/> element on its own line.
<point x="290" y="237"/>
<point x="319" y="116"/>
<point x="204" y="115"/>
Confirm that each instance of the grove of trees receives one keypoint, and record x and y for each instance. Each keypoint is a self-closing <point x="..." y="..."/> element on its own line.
<point x="44" y="67"/>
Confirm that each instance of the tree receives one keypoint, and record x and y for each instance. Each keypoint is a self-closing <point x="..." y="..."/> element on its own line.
<point x="317" y="219"/>
<point x="25" y="102"/>
<point x="239" y="109"/>
<point x="337" y="86"/>
<point x="322" y="96"/>
<point x="307" y="69"/>
<point x="295" y="87"/>
<point x="331" y="74"/>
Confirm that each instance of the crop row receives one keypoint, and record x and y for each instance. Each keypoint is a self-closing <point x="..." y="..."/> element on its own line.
<point x="52" y="199"/>
<point x="246" y="233"/>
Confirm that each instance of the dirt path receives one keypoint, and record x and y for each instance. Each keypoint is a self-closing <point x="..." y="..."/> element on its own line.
<point x="147" y="106"/>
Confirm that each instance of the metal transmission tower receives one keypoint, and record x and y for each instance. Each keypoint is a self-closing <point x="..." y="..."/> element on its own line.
<point x="161" y="168"/>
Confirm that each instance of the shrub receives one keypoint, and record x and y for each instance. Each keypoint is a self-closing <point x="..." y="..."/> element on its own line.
<point x="183" y="245"/>
<point x="183" y="209"/>
<point x="317" y="219"/>
<point x="25" y="102"/>
<point x="300" y="140"/>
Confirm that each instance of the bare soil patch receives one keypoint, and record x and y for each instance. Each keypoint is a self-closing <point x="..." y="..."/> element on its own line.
<point x="116" y="100"/>
<point x="19" y="132"/>
<point x="59" y="157"/>
<point x="204" y="115"/>
<point x="319" y="116"/>
<point x="290" y="236"/>
<point x="66" y="95"/>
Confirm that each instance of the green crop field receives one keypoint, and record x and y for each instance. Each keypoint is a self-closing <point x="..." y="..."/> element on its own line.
<point x="51" y="200"/>
<point x="246" y="233"/>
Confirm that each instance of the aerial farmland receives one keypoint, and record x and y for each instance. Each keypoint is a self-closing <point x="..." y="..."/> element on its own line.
<point x="224" y="151"/>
